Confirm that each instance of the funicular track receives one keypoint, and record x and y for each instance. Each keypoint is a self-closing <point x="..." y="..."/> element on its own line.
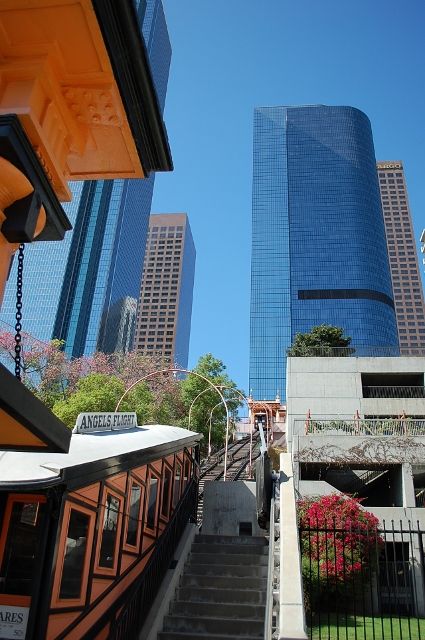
<point x="237" y="463"/>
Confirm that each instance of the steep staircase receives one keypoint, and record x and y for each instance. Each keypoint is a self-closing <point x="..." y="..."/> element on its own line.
<point x="222" y="592"/>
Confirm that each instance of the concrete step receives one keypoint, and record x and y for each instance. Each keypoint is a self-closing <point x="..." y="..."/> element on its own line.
<point x="249" y="570"/>
<point x="218" y="610"/>
<point x="203" y="547"/>
<point x="226" y="558"/>
<point x="206" y="594"/>
<point x="222" y="582"/>
<point x="175" y="635"/>
<point x="238" y="540"/>
<point x="237" y="627"/>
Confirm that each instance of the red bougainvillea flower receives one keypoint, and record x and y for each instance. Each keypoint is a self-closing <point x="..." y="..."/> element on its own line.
<point x="337" y="534"/>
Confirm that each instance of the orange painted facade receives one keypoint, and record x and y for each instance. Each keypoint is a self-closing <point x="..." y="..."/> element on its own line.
<point x="81" y="590"/>
<point x="56" y="76"/>
<point x="77" y="102"/>
<point x="55" y="73"/>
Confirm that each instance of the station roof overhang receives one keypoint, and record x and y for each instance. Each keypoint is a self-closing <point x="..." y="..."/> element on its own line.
<point x="26" y="424"/>
<point x="77" y="76"/>
<point x="128" y="56"/>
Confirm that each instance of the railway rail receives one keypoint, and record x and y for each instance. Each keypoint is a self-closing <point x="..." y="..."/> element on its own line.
<point x="212" y="469"/>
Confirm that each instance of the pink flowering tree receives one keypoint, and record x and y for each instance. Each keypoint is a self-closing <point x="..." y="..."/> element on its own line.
<point x="43" y="364"/>
<point x="339" y="544"/>
<point x="55" y="378"/>
<point x="67" y="385"/>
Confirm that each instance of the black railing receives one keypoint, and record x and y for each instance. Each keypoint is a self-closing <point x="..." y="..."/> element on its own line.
<point x="139" y="597"/>
<point x="420" y="497"/>
<point x="356" y="351"/>
<point x="394" y="392"/>
<point x="361" y="584"/>
<point x="395" y="427"/>
<point x="269" y="626"/>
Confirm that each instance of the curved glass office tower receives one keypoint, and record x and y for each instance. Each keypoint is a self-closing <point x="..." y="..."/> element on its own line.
<point x="319" y="252"/>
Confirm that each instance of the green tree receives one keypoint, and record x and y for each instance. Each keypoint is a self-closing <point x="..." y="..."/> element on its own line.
<point x="101" y="392"/>
<point x="321" y="341"/>
<point x="214" y="370"/>
<point x="70" y="386"/>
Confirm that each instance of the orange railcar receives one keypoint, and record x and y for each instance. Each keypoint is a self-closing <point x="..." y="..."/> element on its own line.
<point x="81" y="531"/>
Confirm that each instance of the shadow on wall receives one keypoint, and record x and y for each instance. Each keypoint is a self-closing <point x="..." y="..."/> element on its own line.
<point x="230" y="509"/>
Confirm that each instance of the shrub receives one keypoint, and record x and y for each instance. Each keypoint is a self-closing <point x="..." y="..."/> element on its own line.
<point x="339" y="541"/>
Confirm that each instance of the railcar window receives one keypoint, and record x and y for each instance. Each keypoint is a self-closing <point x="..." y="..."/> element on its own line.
<point x="109" y="532"/>
<point x="177" y="482"/>
<point x="133" y="514"/>
<point x="166" y="493"/>
<point x="153" y="494"/>
<point x="186" y="472"/>
<point x="75" y="553"/>
<point x="18" y="564"/>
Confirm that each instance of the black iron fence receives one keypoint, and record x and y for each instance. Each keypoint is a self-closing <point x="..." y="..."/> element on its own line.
<point x="356" y="351"/>
<point x="361" y="584"/>
<point x="135" y="603"/>
<point x="394" y="392"/>
<point x="362" y="426"/>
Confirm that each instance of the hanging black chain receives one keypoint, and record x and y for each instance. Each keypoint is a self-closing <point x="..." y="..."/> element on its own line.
<point x="18" y="315"/>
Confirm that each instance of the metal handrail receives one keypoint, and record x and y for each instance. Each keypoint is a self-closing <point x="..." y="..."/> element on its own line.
<point x="358" y="351"/>
<point x="268" y="620"/>
<point x="129" y="612"/>
<point x="362" y="427"/>
<point x="398" y="391"/>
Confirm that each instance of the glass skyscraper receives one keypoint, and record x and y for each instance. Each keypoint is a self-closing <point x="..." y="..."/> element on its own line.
<point x="319" y="251"/>
<point x="404" y="265"/>
<point x="165" y="307"/>
<point x="84" y="290"/>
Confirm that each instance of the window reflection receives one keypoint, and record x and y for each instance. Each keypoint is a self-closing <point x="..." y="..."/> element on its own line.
<point x="75" y="553"/>
<point x="133" y="515"/>
<point x="109" y="534"/>
<point x="153" y="493"/>
<point x="166" y="494"/>
<point x="177" y="482"/>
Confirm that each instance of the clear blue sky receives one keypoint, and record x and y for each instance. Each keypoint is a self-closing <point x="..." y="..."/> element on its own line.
<point x="230" y="56"/>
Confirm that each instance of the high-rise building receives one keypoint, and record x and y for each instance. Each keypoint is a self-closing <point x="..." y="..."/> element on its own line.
<point x="85" y="289"/>
<point x="407" y="286"/>
<point x="319" y="251"/>
<point x="165" y="305"/>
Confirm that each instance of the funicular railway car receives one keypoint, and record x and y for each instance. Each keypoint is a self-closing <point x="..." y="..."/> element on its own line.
<point x="80" y="531"/>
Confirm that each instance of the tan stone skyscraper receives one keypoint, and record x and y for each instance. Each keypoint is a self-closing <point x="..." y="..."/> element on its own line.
<point x="165" y="303"/>
<point x="405" y="273"/>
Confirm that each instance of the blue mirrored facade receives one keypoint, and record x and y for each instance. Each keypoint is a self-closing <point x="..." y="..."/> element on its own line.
<point x="84" y="290"/>
<point x="319" y="251"/>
